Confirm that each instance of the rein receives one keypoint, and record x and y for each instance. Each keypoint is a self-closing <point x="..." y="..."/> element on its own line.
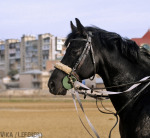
<point x="96" y="96"/>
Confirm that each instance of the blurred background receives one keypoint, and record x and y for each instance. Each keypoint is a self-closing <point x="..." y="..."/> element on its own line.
<point x="32" y="36"/>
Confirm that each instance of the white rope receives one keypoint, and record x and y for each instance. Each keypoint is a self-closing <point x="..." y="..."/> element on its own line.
<point x="81" y="106"/>
<point x="100" y="92"/>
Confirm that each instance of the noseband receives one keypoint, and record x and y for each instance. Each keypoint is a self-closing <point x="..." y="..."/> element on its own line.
<point x="88" y="48"/>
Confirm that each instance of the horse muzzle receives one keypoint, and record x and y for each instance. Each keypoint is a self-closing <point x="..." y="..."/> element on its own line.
<point x="55" y="83"/>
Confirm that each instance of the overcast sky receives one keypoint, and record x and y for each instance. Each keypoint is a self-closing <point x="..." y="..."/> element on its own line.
<point x="129" y="18"/>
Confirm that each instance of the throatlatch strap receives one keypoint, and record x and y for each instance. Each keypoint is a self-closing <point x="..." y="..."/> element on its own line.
<point x="79" y="101"/>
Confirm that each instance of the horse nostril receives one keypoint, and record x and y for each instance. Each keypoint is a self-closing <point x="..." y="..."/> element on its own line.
<point x="52" y="85"/>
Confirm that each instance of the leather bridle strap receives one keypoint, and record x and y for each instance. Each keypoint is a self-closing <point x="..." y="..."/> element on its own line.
<point x="134" y="97"/>
<point x="80" y="61"/>
<point x="88" y="47"/>
<point x="82" y="57"/>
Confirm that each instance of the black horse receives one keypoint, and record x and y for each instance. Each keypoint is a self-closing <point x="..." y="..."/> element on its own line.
<point x="118" y="61"/>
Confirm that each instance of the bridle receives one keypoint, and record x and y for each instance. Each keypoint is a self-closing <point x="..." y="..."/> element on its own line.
<point x="88" y="48"/>
<point x="72" y="72"/>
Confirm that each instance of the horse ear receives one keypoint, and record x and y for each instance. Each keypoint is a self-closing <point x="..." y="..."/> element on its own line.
<point x="80" y="27"/>
<point x="73" y="28"/>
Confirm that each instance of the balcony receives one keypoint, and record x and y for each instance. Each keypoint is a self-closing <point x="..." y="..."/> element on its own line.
<point x="12" y="51"/>
<point x="18" y="57"/>
<point x="35" y="80"/>
<point x="2" y="62"/>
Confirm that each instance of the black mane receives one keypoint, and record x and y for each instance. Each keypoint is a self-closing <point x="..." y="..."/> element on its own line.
<point x="111" y="40"/>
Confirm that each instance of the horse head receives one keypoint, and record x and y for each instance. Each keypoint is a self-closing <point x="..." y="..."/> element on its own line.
<point x="76" y="44"/>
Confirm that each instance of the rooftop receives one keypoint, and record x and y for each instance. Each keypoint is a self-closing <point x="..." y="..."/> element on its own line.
<point x="144" y="40"/>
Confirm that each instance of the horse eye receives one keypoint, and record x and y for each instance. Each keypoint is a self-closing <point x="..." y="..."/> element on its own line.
<point x="75" y="53"/>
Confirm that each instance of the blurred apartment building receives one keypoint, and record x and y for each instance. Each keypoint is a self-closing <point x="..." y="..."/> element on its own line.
<point x="12" y="55"/>
<point x="30" y="53"/>
<point x="2" y="58"/>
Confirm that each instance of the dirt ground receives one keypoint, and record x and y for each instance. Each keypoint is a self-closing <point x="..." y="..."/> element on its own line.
<point x="53" y="119"/>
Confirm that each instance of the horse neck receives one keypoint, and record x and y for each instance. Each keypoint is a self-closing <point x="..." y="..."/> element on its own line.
<point x="116" y="70"/>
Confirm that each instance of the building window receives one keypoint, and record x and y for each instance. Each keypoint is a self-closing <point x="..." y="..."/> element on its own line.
<point x="146" y="46"/>
<point x="59" y="47"/>
<point x="46" y="40"/>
